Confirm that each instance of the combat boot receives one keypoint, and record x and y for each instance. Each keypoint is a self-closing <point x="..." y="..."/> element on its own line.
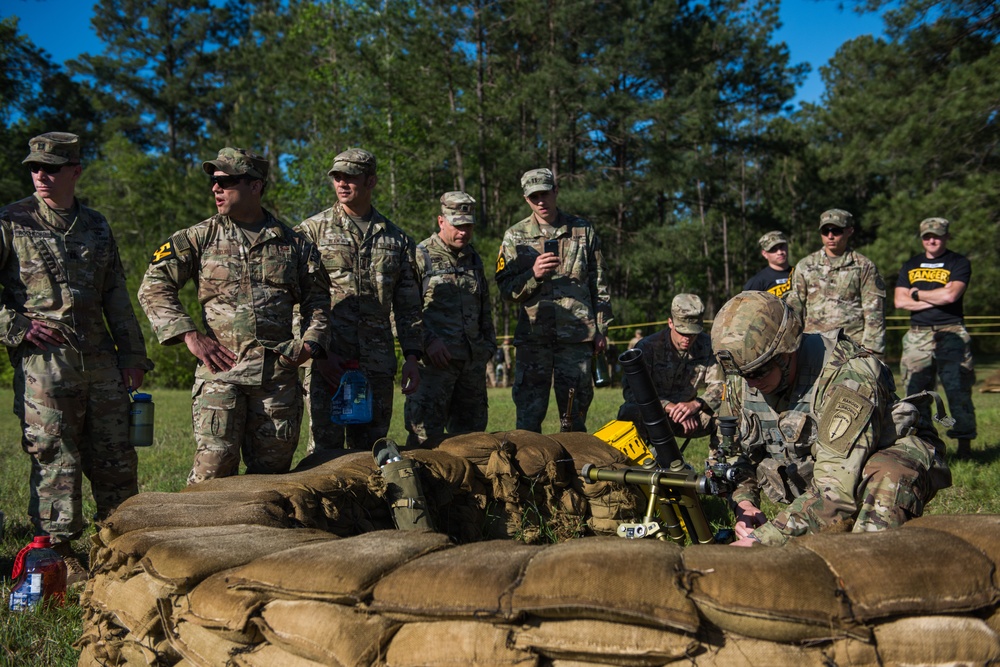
<point x="964" y="448"/>
<point x="76" y="573"/>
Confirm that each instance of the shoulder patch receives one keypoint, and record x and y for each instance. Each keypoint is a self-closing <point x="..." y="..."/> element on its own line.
<point x="500" y="263"/>
<point x="163" y="253"/>
<point x="845" y="417"/>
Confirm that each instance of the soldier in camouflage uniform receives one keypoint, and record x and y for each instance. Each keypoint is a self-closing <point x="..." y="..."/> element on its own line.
<point x="250" y="270"/>
<point x="931" y="286"/>
<point x="680" y="363"/>
<point x="776" y="276"/>
<point x="74" y="342"/>
<point x="838" y="288"/>
<point x="565" y="304"/>
<point x="373" y="286"/>
<point x="459" y="337"/>
<point x="820" y="422"/>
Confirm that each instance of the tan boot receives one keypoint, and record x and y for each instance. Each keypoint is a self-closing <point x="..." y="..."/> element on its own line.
<point x="76" y="573"/>
<point x="964" y="448"/>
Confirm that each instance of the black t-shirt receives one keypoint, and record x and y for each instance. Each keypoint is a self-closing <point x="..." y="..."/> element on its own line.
<point x="928" y="274"/>
<point x="769" y="280"/>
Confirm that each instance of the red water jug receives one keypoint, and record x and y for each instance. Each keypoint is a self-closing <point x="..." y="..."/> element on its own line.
<point x="39" y="575"/>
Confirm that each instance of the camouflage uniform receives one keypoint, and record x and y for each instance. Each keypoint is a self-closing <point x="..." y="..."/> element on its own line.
<point x="558" y="317"/>
<point x="373" y="285"/>
<point x="678" y="375"/>
<point x="827" y="446"/>
<point x="457" y="312"/>
<point x="70" y="399"/>
<point x="247" y="293"/>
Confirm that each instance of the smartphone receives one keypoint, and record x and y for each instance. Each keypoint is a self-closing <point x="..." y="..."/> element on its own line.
<point x="552" y="245"/>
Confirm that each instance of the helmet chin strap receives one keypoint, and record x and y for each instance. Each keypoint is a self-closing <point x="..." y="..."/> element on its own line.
<point x="784" y="364"/>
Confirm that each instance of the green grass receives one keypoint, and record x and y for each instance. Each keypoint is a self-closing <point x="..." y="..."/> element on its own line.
<point x="44" y="638"/>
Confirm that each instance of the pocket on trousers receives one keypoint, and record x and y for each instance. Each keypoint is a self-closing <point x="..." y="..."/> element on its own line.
<point x="215" y="414"/>
<point x="42" y="430"/>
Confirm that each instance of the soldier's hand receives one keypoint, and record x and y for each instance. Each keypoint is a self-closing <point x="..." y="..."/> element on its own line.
<point x="748" y="517"/>
<point x="600" y="343"/>
<point x="410" y="377"/>
<point x="545" y="265"/>
<point x="438" y="354"/>
<point x="331" y="368"/>
<point x="132" y="378"/>
<point x="744" y="542"/>
<point x="214" y="355"/>
<point x="42" y="335"/>
<point x="684" y="410"/>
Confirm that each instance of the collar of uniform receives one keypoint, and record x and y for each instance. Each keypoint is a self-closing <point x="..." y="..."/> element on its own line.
<point x="836" y="262"/>
<point x="561" y="226"/>
<point x="271" y="228"/>
<point x="54" y="220"/>
<point x="461" y="253"/>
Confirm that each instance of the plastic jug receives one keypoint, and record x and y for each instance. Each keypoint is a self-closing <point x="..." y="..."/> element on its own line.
<point x="39" y="575"/>
<point x="352" y="404"/>
<point x="140" y="420"/>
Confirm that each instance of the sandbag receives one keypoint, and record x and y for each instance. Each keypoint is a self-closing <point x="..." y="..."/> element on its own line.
<point x="607" y="579"/>
<point x="343" y="571"/>
<point x="268" y="655"/>
<point x="736" y="651"/>
<point x="540" y="458"/>
<point x="980" y="530"/>
<point x="455" y="644"/>
<point x="469" y="581"/>
<point x="215" y="606"/>
<point x="201" y="646"/>
<point x="130" y="602"/>
<point x="937" y="640"/>
<point x="609" y="643"/>
<point x="328" y="633"/>
<point x="477" y="448"/>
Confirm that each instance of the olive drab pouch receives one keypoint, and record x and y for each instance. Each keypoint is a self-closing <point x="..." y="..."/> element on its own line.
<point x="404" y="491"/>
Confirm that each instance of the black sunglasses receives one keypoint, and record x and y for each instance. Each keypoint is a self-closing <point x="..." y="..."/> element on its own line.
<point x="226" y="182"/>
<point x="831" y="231"/>
<point x="759" y="373"/>
<point x="49" y="169"/>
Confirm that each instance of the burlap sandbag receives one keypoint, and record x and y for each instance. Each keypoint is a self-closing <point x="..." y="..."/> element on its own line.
<point x="540" y="458"/>
<point x="130" y="602"/>
<point x="980" y="530"/>
<point x="268" y="655"/>
<point x="609" y="643"/>
<point x="779" y="594"/>
<point x="632" y="581"/>
<point x="325" y="632"/>
<point x="343" y="571"/>
<point x="184" y="563"/>
<point x="737" y="651"/>
<point x="473" y="580"/>
<point x="164" y="510"/>
<point x="937" y="640"/>
<point x="213" y="605"/>
<point x="905" y="572"/>
<point x="201" y="646"/>
<point x="455" y="644"/>
<point x="477" y="448"/>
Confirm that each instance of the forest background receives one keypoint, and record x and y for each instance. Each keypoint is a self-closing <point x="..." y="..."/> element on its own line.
<point x="667" y="123"/>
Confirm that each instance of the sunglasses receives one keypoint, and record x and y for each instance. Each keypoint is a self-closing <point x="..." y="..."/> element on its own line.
<point x="831" y="231"/>
<point x="759" y="373"/>
<point x="49" y="169"/>
<point x="226" y="182"/>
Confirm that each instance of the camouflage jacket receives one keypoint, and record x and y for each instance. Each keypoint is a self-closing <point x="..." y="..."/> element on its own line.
<point x="457" y="309"/>
<point x="373" y="285"/>
<point x="843" y="292"/>
<point x="70" y="279"/>
<point x="677" y="376"/>
<point x="569" y="306"/>
<point x="247" y="292"/>
<point x="810" y="443"/>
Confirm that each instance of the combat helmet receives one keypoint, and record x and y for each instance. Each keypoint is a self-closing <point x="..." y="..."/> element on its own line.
<point x="751" y="329"/>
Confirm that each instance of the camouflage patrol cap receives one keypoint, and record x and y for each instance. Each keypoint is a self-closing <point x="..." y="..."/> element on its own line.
<point x="935" y="226"/>
<point x="771" y="239"/>
<point x="353" y="161"/>
<point x="458" y="208"/>
<point x="238" y="162"/>
<point x="54" y="148"/>
<point x="751" y="329"/>
<point x="836" y="217"/>
<point x="686" y="311"/>
<point x="537" y="180"/>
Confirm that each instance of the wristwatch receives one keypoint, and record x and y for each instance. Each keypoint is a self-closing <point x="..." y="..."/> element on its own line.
<point x="915" y="294"/>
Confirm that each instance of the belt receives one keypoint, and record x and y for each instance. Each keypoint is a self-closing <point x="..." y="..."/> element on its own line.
<point x="937" y="327"/>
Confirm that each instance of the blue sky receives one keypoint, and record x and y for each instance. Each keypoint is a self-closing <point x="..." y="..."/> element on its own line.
<point x="813" y="30"/>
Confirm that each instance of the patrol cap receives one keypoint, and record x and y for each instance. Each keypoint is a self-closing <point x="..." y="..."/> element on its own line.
<point x="54" y="148"/>
<point x="353" y="161"/>
<point x="537" y="180"/>
<point x="935" y="226"/>
<point x="771" y="239"/>
<point x="238" y="162"/>
<point x="836" y="217"/>
<point x="751" y="329"/>
<point x="458" y="208"/>
<point x="686" y="311"/>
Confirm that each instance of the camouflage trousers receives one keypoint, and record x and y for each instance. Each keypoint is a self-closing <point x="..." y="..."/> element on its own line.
<point x="944" y="351"/>
<point x="534" y="370"/>
<point x="324" y="434"/>
<point x="261" y="423"/>
<point x="74" y="421"/>
<point x="452" y="398"/>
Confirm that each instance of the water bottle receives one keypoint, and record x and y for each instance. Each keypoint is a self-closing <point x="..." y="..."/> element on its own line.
<point x="352" y="404"/>
<point x="39" y="575"/>
<point x="140" y="420"/>
<point x="602" y="377"/>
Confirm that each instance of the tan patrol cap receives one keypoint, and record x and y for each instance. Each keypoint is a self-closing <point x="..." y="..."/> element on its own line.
<point x="54" y="148"/>
<point x="686" y="312"/>
<point x="836" y="217"/>
<point x="935" y="226"/>
<point x="771" y="239"/>
<point x="458" y="208"/>
<point x="238" y="162"/>
<point x="537" y="180"/>
<point x="353" y="161"/>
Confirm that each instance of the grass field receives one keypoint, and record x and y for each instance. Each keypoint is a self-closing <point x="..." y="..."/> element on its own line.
<point x="44" y="638"/>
